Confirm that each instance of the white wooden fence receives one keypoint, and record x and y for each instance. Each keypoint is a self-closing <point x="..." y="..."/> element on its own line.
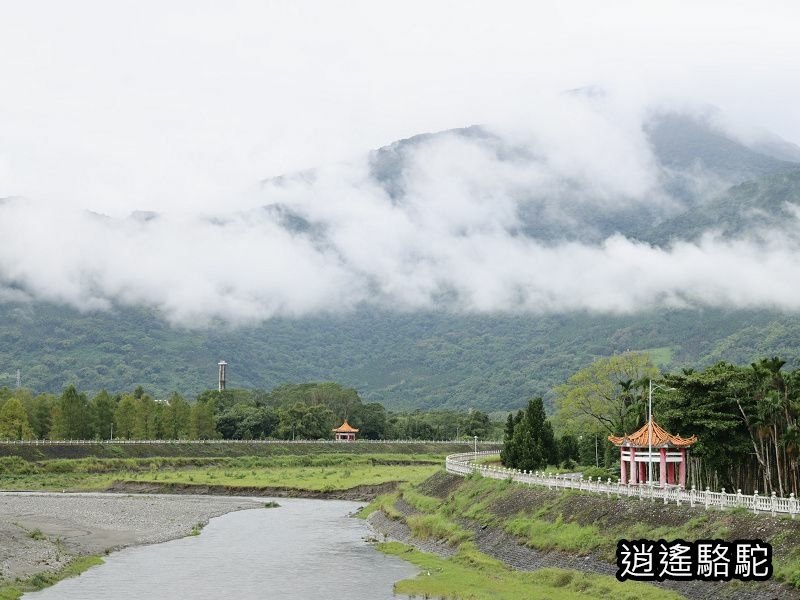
<point x="464" y="464"/>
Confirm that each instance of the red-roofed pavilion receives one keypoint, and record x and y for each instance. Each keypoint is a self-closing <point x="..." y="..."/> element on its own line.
<point x="346" y="432"/>
<point x="667" y="449"/>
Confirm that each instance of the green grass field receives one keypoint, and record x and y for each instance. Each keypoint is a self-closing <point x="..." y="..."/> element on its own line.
<point x="318" y="472"/>
<point x="340" y="477"/>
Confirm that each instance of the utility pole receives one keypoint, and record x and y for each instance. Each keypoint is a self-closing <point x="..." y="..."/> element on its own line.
<point x="650" y="428"/>
<point x="649" y="434"/>
<point x="596" y="454"/>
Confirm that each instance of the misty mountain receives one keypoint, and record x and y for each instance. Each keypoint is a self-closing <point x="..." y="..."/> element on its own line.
<point x="709" y="175"/>
<point x="760" y="206"/>
<point x="446" y="342"/>
<point x="685" y="143"/>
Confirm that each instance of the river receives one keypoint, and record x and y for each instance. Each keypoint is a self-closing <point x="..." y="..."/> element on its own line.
<point x="302" y="550"/>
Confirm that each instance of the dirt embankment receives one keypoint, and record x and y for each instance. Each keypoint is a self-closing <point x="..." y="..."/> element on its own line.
<point x="613" y="516"/>
<point x="359" y="493"/>
<point x="197" y="450"/>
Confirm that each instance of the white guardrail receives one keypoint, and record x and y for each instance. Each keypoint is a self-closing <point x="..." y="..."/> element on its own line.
<point x="469" y="443"/>
<point x="464" y="464"/>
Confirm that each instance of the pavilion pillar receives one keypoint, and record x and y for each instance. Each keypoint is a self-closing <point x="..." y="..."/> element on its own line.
<point x="662" y="468"/>
<point x="642" y="472"/>
<point x="623" y="476"/>
<point x="682" y="476"/>
<point x="671" y="473"/>
<point x="634" y="472"/>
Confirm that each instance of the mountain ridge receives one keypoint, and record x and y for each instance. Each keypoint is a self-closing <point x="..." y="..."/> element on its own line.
<point x="441" y="358"/>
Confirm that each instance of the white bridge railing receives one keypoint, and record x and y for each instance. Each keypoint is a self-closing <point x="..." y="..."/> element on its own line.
<point x="464" y="464"/>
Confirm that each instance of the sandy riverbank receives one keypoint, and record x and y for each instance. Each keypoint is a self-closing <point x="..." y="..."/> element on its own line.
<point x="42" y="531"/>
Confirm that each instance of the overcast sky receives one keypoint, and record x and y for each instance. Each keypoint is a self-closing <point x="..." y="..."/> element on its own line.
<point x="116" y="106"/>
<point x="185" y="107"/>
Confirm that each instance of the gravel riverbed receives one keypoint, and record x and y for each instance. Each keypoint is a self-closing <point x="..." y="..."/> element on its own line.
<point x="43" y="531"/>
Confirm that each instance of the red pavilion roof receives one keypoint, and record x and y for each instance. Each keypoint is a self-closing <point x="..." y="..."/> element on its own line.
<point x="640" y="438"/>
<point x="345" y="428"/>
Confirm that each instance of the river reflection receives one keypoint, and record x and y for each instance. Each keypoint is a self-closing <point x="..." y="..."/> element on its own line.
<point x="304" y="550"/>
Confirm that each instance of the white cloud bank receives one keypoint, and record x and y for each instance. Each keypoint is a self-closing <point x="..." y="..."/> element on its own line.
<point x="452" y="241"/>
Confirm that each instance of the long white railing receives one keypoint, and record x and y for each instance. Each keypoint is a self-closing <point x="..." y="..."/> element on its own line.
<point x="464" y="464"/>
<point x="469" y="443"/>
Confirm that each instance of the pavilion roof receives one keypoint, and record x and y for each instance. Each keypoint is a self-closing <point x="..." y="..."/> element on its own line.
<point x="345" y="428"/>
<point x="661" y="438"/>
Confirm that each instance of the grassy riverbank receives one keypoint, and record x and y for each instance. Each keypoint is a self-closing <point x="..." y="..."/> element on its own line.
<point x="15" y="590"/>
<point x="312" y="472"/>
<point x="564" y="528"/>
<point x="471" y="574"/>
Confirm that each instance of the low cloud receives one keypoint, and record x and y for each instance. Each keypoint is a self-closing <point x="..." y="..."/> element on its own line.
<point x="459" y="235"/>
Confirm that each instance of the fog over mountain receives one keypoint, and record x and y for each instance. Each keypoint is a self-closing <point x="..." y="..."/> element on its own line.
<point x="589" y="206"/>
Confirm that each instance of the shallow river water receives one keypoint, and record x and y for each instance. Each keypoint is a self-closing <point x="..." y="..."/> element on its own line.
<point x="303" y="550"/>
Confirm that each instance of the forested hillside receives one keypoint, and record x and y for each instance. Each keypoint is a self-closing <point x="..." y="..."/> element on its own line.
<point x="404" y="361"/>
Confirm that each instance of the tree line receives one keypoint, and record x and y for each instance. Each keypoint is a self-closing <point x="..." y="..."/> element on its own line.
<point x="296" y="411"/>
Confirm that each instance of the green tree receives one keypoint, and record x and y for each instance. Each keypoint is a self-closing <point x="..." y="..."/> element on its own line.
<point x="568" y="448"/>
<point x="14" y="424"/>
<point x="101" y="409"/>
<point x="477" y="423"/>
<point x="144" y="427"/>
<point x="371" y="421"/>
<point x="71" y="417"/>
<point x="125" y="417"/>
<point x="532" y="444"/>
<point x="40" y="415"/>
<point x="605" y="397"/>
<point x="177" y="418"/>
<point x="238" y="422"/>
<point x="203" y="421"/>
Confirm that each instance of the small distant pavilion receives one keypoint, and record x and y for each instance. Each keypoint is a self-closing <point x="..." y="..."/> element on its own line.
<point x="669" y="451"/>
<point x="345" y="432"/>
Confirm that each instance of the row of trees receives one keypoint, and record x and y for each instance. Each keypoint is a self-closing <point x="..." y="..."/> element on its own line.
<point x="304" y="411"/>
<point x="74" y="416"/>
